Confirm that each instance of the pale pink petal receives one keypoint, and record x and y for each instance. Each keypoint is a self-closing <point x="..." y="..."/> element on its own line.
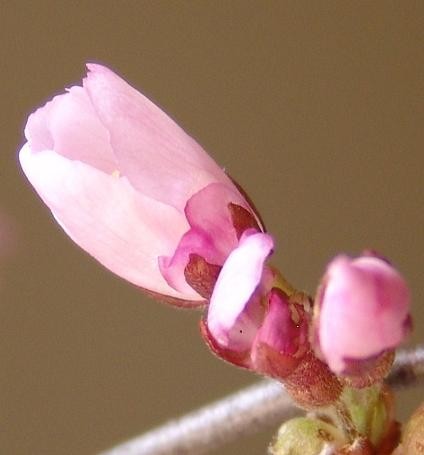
<point x="69" y="125"/>
<point x="233" y="317"/>
<point x="121" y="228"/>
<point x="37" y="129"/>
<point x="364" y="310"/>
<point x="212" y="234"/>
<point x="173" y="267"/>
<point x="154" y="153"/>
<point x="208" y="211"/>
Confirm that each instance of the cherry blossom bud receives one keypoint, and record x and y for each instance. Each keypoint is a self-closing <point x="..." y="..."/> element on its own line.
<point x="250" y="322"/>
<point x="361" y="311"/>
<point x="130" y="187"/>
<point x="371" y="411"/>
<point x="307" y="436"/>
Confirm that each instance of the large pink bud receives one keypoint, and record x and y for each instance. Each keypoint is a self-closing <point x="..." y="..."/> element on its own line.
<point x="361" y="311"/>
<point x="130" y="187"/>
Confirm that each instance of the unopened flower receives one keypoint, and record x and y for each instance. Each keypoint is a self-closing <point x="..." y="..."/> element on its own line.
<point x="371" y="411"/>
<point x="130" y="187"/>
<point x="362" y="310"/>
<point x="307" y="436"/>
<point x="250" y="321"/>
<point x="236" y="312"/>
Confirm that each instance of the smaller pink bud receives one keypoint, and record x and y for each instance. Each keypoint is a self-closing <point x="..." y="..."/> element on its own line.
<point x="361" y="311"/>
<point x="250" y="322"/>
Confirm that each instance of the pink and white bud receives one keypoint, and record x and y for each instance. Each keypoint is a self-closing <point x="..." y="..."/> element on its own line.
<point x="250" y="322"/>
<point x="361" y="311"/>
<point x="130" y="187"/>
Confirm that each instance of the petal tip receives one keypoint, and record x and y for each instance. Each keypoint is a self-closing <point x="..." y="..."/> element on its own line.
<point x="93" y="67"/>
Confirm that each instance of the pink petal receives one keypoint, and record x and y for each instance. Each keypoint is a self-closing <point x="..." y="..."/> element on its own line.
<point x="172" y="267"/>
<point x="282" y="340"/>
<point x="234" y="317"/>
<point x="69" y="125"/>
<point x="285" y="325"/>
<point x="212" y="234"/>
<point x="121" y="228"/>
<point x="153" y="152"/>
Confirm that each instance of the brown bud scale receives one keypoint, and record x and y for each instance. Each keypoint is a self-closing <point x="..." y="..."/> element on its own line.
<point x="312" y="384"/>
<point x="242" y="219"/>
<point x="201" y="275"/>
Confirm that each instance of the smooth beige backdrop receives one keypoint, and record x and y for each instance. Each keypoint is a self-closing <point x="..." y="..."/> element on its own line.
<point x="316" y="108"/>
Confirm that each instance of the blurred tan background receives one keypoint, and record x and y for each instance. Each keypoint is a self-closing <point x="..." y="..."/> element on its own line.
<point x="316" y="108"/>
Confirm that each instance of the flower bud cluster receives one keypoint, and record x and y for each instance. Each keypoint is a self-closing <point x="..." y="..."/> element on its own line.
<point x="130" y="187"/>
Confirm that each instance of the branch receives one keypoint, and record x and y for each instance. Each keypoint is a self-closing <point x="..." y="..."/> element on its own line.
<point x="408" y="368"/>
<point x="253" y="409"/>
